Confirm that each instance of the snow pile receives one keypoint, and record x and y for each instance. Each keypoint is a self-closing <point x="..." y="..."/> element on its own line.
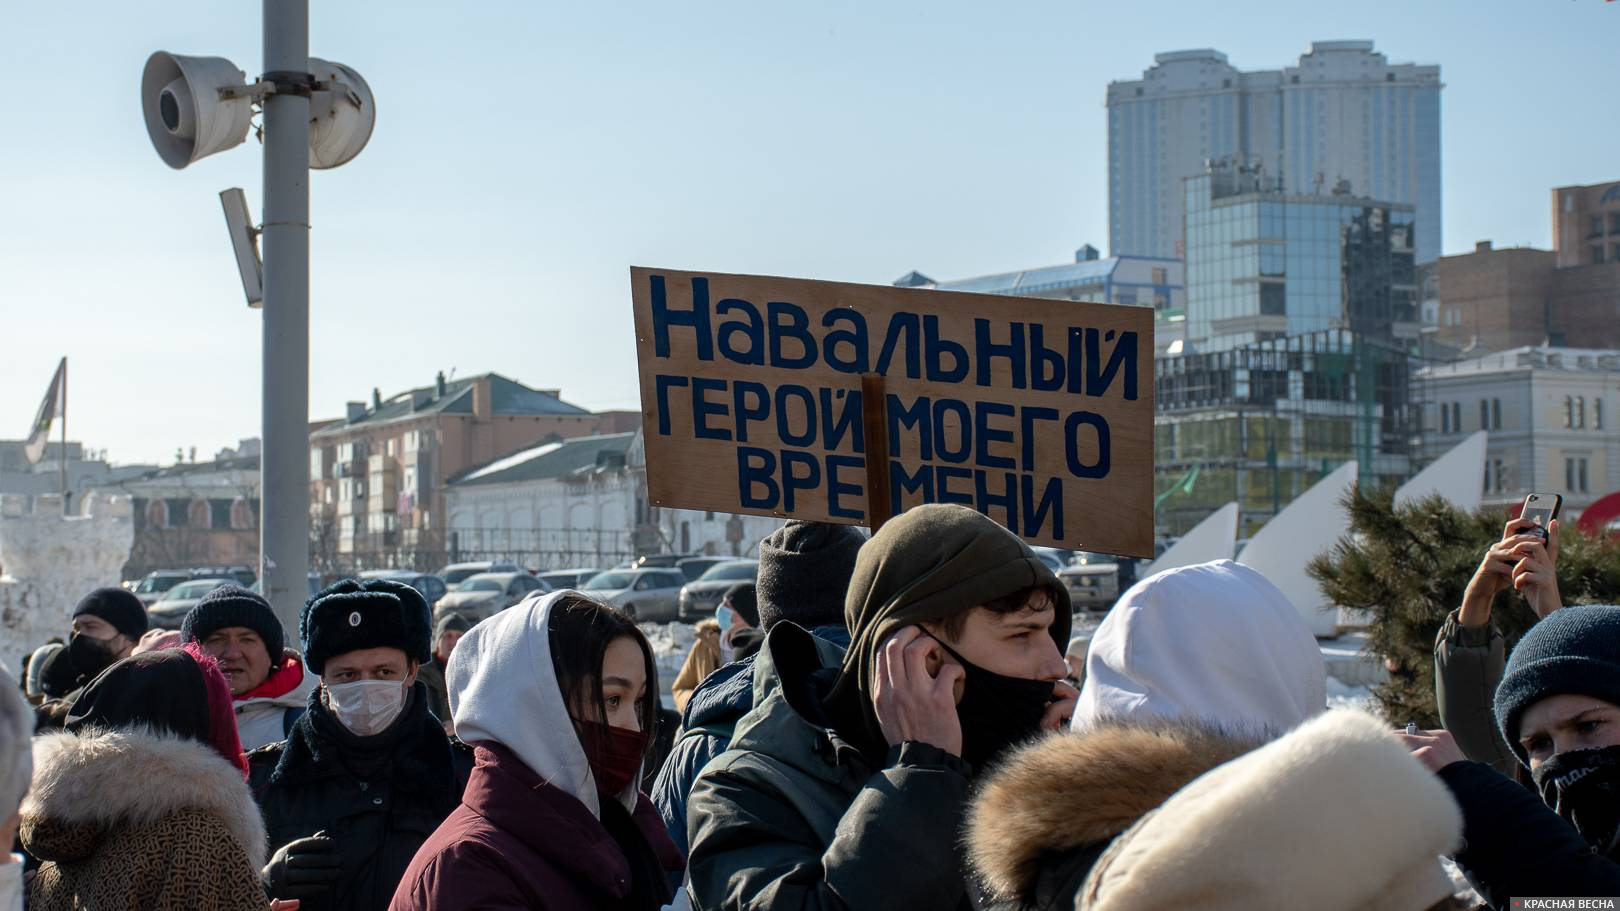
<point x="670" y="642"/>
<point x="1343" y="695"/>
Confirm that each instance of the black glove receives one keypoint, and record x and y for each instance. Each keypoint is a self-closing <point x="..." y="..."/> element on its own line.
<point x="302" y="869"/>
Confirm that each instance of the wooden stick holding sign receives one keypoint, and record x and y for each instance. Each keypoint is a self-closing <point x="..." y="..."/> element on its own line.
<point x="875" y="421"/>
<point x="847" y="403"/>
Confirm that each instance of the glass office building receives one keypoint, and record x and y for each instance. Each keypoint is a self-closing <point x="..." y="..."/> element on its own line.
<point x="1260" y="424"/>
<point x="1341" y="113"/>
<point x="1263" y="264"/>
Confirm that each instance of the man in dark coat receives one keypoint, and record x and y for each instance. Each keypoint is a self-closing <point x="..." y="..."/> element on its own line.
<point x="804" y="571"/>
<point x="845" y="786"/>
<point x="107" y="623"/>
<point x="367" y="773"/>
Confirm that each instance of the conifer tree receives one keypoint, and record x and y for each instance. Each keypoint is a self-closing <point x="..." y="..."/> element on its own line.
<point x="1408" y="568"/>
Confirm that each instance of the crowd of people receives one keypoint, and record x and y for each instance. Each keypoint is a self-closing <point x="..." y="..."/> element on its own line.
<point x="901" y="721"/>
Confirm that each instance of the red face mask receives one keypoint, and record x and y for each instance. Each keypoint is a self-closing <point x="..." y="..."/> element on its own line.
<point x="615" y="754"/>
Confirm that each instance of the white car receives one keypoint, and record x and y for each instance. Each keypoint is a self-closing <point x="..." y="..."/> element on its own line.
<point x="644" y="594"/>
<point x="1092" y="581"/>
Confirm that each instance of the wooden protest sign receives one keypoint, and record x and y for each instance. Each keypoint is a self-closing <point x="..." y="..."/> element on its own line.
<point x="1038" y="413"/>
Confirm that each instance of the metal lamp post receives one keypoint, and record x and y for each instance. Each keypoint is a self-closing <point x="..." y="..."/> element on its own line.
<point x="315" y="114"/>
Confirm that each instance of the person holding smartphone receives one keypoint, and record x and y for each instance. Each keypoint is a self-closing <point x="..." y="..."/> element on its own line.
<point x="1558" y="709"/>
<point x="1469" y="652"/>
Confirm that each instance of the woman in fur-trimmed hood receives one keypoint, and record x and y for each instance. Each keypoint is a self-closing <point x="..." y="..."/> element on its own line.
<point x="142" y="802"/>
<point x="1334" y="815"/>
<point x="1192" y="668"/>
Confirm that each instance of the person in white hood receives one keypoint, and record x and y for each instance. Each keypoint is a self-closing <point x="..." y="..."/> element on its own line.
<point x="558" y="696"/>
<point x="1193" y="668"/>
<point x="1215" y="643"/>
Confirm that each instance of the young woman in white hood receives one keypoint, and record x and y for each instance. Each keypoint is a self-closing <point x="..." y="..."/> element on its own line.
<point x="558" y="695"/>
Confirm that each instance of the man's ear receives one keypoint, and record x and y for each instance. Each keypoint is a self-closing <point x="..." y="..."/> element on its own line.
<point x="410" y="678"/>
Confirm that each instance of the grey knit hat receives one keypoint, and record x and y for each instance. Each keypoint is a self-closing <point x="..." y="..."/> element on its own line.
<point x="804" y="572"/>
<point x="448" y="622"/>
<point x="1574" y="651"/>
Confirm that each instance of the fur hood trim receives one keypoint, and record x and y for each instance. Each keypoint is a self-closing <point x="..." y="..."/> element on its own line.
<point x="1068" y="791"/>
<point x="135" y="777"/>
<point x="1334" y="816"/>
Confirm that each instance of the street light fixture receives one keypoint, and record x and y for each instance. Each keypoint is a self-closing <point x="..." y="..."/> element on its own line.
<point x="317" y="114"/>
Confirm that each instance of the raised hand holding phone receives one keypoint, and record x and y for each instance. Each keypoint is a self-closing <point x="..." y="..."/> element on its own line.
<point x="1495" y="571"/>
<point x="1535" y="576"/>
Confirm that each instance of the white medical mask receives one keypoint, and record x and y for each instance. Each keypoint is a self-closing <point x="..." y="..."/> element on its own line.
<point x="722" y="615"/>
<point x="366" y="707"/>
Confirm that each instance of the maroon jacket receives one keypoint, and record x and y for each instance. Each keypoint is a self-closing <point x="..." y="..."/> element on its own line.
<point x="517" y="842"/>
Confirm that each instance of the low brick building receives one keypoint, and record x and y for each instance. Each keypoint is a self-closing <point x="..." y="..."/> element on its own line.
<point x="378" y="475"/>
<point x="1494" y="300"/>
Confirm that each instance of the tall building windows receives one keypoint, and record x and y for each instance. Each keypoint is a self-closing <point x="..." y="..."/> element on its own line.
<point x="1569" y="412"/>
<point x="1496" y="414"/>
<point x="1445" y="418"/>
<point x="1580" y="412"/>
<point x="1484" y="415"/>
<point x="1597" y="414"/>
<point x="1575" y="474"/>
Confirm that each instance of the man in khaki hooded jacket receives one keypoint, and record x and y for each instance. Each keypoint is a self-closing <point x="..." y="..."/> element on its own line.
<point x="846" y="784"/>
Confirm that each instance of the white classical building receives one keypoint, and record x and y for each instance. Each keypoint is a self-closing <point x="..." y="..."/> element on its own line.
<point x="582" y="503"/>
<point x="1550" y="415"/>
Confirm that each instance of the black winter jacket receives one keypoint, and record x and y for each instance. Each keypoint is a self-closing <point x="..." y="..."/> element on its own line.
<point x="378" y="798"/>
<point x="1516" y="846"/>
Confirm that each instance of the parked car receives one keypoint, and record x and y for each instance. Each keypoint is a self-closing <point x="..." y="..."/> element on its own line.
<point x="568" y="578"/>
<point x="432" y="587"/>
<point x="1050" y="557"/>
<point x="178" y="601"/>
<point x="484" y="595"/>
<point x="699" y="599"/>
<point x="314" y="585"/>
<point x="1092" y="580"/>
<point x="694" y="567"/>
<point x="660" y="561"/>
<point x="241" y="575"/>
<point x="457" y="573"/>
<point x="644" y="594"/>
<point x="152" y="586"/>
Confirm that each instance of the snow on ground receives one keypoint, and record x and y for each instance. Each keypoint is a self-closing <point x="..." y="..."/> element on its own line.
<point x="1342" y="695"/>
<point x="670" y="642"/>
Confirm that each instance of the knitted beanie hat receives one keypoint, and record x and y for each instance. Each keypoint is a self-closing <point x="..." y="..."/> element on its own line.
<point x="232" y="605"/>
<point x="118" y="607"/>
<point x="1575" y="650"/>
<point x="804" y="572"/>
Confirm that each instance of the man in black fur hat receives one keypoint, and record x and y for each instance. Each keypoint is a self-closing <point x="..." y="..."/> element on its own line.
<point x="367" y="772"/>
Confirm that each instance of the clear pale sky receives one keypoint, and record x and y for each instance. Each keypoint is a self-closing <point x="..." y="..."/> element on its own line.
<point x="526" y="154"/>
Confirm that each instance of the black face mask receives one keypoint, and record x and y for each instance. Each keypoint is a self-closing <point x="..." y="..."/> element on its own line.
<point x="1583" y="786"/>
<point x="90" y="656"/>
<point x="997" y="712"/>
